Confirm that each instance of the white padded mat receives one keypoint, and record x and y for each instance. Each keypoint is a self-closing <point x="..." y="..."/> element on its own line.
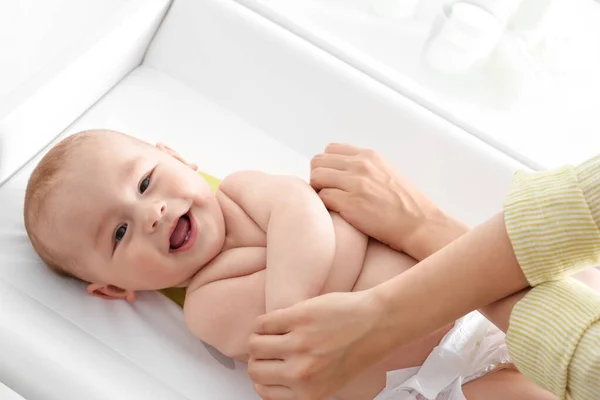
<point x="147" y="340"/>
<point x="59" y="343"/>
<point x="7" y="394"/>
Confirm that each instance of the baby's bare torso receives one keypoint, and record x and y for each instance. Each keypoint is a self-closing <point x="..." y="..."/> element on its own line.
<point x="360" y="263"/>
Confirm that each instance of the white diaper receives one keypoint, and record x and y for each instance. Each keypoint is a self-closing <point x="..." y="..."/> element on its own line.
<point x="473" y="348"/>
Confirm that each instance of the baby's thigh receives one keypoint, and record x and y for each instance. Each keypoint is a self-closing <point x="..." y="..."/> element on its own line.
<point x="503" y="385"/>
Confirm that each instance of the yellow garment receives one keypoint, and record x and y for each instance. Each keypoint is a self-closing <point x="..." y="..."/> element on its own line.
<point x="178" y="294"/>
<point x="552" y="219"/>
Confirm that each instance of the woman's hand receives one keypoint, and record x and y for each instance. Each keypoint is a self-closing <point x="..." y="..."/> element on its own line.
<point x="309" y="351"/>
<point x="368" y="193"/>
<point x="324" y="342"/>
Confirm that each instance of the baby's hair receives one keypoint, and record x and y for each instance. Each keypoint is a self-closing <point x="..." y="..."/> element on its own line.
<point x="44" y="180"/>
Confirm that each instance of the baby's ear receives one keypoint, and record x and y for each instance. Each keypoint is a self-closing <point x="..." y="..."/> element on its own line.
<point x="110" y="292"/>
<point x="176" y="155"/>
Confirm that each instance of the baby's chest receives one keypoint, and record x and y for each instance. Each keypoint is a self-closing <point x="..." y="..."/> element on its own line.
<point x="231" y="264"/>
<point x="241" y="230"/>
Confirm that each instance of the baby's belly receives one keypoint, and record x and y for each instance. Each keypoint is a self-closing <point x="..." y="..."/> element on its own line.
<point x="360" y="262"/>
<point x="381" y="264"/>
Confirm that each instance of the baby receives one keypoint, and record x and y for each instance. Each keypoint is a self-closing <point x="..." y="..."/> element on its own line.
<point x="125" y="216"/>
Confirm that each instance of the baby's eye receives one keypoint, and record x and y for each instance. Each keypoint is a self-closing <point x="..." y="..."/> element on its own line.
<point x="144" y="184"/>
<point x="120" y="233"/>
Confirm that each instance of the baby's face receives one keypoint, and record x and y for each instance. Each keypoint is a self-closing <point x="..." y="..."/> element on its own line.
<point x="135" y="217"/>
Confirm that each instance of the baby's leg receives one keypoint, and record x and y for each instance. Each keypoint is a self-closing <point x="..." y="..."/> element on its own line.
<point x="503" y="385"/>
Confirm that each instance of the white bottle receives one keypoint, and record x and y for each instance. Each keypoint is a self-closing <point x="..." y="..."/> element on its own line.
<point x="466" y="32"/>
<point x="528" y="20"/>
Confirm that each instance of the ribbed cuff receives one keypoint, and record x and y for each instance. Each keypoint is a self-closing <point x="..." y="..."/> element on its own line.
<point x="545" y="329"/>
<point x="584" y="372"/>
<point x="550" y="225"/>
<point x="588" y="175"/>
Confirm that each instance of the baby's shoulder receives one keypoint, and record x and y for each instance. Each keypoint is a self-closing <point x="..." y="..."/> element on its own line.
<point x="244" y="177"/>
<point x="256" y="192"/>
<point x="241" y="180"/>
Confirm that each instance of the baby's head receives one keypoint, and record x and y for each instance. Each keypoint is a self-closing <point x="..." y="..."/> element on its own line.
<point x="121" y="214"/>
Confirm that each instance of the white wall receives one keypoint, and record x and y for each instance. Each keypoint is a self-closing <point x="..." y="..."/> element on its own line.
<point x="57" y="58"/>
<point x="305" y="98"/>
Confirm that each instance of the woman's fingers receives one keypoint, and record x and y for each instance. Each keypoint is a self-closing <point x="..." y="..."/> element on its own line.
<point x="361" y="165"/>
<point x="261" y="347"/>
<point x="330" y="178"/>
<point x="274" y="392"/>
<point x="321" y="353"/>
<point x="334" y="161"/>
<point x="278" y="322"/>
<point x="267" y="372"/>
<point x="342" y="148"/>
<point x="334" y="199"/>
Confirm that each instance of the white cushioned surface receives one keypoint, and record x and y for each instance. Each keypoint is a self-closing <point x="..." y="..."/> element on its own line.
<point x="146" y="341"/>
<point x="155" y="107"/>
<point x="7" y="394"/>
<point x="230" y="90"/>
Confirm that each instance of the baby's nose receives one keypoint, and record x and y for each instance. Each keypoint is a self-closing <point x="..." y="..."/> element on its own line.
<point x="156" y="211"/>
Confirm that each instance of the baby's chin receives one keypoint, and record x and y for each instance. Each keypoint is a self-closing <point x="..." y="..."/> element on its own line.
<point x="186" y="281"/>
<point x="180" y="279"/>
<point x="184" y="284"/>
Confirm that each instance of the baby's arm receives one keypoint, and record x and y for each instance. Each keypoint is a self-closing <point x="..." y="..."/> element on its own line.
<point x="221" y="309"/>
<point x="299" y="229"/>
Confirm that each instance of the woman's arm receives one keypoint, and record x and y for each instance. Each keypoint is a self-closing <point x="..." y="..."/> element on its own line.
<point x="311" y="349"/>
<point x="473" y="271"/>
<point x="318" y="345"/>
<point x="551" y="226"/>
<point x="552" y="218"/>
<point x="363" y="187"/>
<point x="366" y="191"/>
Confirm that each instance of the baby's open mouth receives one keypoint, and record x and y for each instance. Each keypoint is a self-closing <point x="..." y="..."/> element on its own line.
<point x="181" y="233"/>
